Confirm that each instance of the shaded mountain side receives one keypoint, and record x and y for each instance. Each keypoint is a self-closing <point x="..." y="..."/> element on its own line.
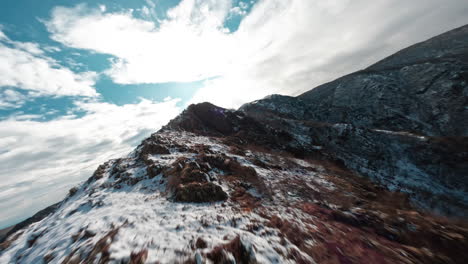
<point x="450" y="45"/>
<point x="4" y="232"/>
<point x="433" y="170"/>
<point x="422" y="89"/>
<point x="401" y="122"/>
<point x="33" y="219"/>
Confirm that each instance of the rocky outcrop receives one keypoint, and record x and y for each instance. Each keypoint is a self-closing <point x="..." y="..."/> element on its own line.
<point x="199" y="192"/>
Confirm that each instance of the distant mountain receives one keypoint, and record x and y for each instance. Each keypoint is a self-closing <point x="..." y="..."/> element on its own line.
<point x="370" y="168"/>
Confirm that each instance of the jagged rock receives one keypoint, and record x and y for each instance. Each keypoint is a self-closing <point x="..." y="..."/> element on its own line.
<point x="201" y="243"/>
<point x="152" y="148"/>
<point x="153" y="170"/>
<point x="192" y="173"/>
<point x="72" y="191"/>
<point x="205" y="118"/>
<point x="199" y="193"/>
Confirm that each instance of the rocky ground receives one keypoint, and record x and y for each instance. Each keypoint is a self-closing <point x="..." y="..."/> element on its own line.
<point x="198" y="192"/>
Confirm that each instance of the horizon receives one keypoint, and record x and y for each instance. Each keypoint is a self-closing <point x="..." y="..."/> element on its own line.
<point x="85" y="82"/>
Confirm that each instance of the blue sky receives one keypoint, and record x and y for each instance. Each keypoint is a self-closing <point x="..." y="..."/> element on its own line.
<point x="85" y="81"/>
<point x="24" y="21"/>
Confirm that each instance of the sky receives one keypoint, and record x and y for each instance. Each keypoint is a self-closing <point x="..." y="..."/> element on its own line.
<point x="85" y="81"/>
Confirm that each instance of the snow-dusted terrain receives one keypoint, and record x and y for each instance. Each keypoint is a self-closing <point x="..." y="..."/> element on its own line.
<point x="111" y="218"/>
<point x="289" y="210"/>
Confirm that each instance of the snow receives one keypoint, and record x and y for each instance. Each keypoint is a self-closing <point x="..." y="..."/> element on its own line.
<point x="146" y="219"/>
<point x="401" y="133"/>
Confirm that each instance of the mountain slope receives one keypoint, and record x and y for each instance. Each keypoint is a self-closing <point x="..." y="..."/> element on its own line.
<point x="186" y="197"/>
<point x="401" y="122"/>
<point x="431" y="169"/>
<point x="281" y="180"/>
<point x="422" y="89"/>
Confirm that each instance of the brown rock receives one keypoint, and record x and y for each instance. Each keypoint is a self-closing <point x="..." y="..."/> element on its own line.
<point x="151" y="148"/>
<point x="201" y="243"/>
<point x="190" y="174"/>
<point x="199" y="193"/>
<point x="153" y="170"/>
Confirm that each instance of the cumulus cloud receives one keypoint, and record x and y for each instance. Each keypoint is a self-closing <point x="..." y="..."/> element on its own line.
<point x="41" y="161"/>
<point x="24" y="65"/>
<point x="285" y="47"/>
<point x="188" y="46"/>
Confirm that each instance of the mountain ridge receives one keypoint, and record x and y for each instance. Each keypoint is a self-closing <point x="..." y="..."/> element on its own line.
<point x="426" y="97"/>
<point x="325" y="177"/>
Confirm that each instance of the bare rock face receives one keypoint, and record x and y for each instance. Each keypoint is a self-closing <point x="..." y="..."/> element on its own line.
<point x="206" y="118"/>
<point x="199" y="192"/>
<point x="431" y="170"/>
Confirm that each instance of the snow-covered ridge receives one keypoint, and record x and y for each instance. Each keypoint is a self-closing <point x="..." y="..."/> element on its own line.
<point x="278" y="209"/>
<point x="133" y="211"/>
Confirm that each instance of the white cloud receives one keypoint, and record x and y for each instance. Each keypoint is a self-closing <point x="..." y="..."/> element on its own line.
<point x="11" y="99"/>
<point x="146" y="11"/>
<point x="291" y="47"/>
<point x="23" y="65"/>
<point x="52" y="49"/>
<point x="40" y="161"/>
<point x="32" y="48"/>
<point x="238" y="11"/>
<point x="189" y="46"/>
<point x="149" y="11"/>
<point x="281" y="46"/>
<point x="3" y="37"/>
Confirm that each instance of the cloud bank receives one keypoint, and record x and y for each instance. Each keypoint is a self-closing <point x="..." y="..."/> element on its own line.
<point x="189" y="46"/>
<point x="24" y="65"/>
<point x="285" y="47"/>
